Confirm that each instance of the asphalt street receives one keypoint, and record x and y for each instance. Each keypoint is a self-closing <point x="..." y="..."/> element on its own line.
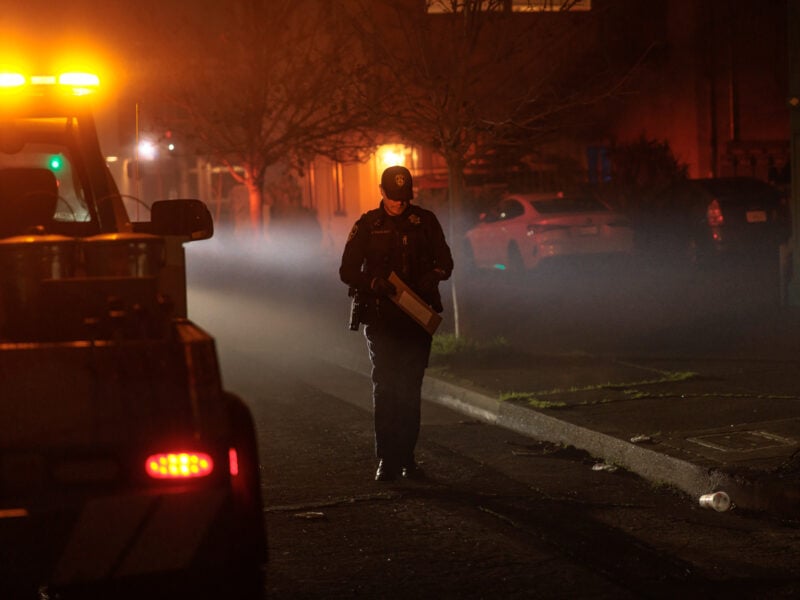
<point x="502" y="515"/>
<point x="697" y="364"/>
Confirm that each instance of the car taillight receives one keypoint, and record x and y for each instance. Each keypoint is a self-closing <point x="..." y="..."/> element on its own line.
<point x="233" y="461"/>
<point x="179" y="465"/>
<point x="714" y="214"/>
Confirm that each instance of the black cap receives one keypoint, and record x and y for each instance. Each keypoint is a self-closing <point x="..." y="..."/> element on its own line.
<point x="396" y="183"/>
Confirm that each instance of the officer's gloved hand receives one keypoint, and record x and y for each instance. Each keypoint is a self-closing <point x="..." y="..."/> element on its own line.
<point x="429" y="281"/>
<point x="382" y="287"/>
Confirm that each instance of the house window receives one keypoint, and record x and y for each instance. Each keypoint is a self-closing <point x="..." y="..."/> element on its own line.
<point x="311" y="186"/>
<point x="338" y="190"/>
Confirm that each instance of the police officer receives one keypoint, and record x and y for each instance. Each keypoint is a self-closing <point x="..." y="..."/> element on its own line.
<point x="408" y="240"/>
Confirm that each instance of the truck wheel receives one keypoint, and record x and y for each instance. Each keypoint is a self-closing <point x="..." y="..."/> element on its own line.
<point x="247" y="483"/>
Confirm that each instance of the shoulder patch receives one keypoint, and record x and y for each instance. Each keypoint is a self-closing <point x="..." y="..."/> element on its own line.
<point x="353" y="232"/>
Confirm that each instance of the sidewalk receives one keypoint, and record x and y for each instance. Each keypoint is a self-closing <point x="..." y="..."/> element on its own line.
<point x="698" y="424"/>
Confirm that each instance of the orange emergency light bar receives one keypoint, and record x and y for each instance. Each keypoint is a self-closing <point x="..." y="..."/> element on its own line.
<point x="75" y="83"/>
<point x="179" y="465"/>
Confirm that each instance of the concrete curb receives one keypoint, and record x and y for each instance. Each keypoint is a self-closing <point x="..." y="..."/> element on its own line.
<point x="657" y="467"/>
<point x="653" y="466"/>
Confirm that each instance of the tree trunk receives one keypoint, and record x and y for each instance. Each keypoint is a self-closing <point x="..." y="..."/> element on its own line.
<point x="255" y="195"/>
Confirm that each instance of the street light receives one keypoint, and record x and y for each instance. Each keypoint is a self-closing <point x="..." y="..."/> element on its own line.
<point x="147" y="150"/>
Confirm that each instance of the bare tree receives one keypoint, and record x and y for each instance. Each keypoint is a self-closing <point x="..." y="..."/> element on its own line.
<point x="472" y="77"/>
<point x="263" y="82"/>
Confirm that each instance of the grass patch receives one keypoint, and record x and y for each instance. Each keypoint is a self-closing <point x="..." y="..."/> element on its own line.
<point x="449" y="350"/>
<point x="531" y="400"/>
<point x="628" y="387"/>
<point x="629" y="390"/>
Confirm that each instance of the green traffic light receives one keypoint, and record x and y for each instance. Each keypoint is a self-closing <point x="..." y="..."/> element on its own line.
<point x="56" y="162"/>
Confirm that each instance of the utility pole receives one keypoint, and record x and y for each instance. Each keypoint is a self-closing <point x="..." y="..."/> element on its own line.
<point x="793" y="22"/>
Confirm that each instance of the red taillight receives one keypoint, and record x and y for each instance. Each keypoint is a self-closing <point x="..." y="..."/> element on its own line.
<point x="714" y="214"/>
<point x="233" y="460"/>
<point x="179" y="465"/>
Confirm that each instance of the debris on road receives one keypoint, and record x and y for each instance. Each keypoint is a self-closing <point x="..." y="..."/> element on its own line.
<point x="603" y="466"/>
<point x="719" y="501"/>
<point x="310" y="515"/>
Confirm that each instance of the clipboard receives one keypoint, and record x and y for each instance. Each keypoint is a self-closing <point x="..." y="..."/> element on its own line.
<point x="414" y="306"/>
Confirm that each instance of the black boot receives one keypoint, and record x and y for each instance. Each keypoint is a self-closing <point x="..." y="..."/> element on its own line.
<point x="386" y="471"/>
<point x="412" y="470"/>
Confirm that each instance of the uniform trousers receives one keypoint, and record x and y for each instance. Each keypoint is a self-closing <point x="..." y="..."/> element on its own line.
<point x="399" y="357"/>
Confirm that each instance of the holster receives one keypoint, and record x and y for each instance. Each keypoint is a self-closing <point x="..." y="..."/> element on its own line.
<point x="356" y="310"/>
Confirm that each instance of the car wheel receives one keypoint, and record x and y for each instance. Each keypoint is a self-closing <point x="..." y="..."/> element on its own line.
<point x="515" y="264"/>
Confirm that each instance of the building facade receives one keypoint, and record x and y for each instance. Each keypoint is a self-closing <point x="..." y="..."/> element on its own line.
<point x="713" y="84"/>
<point x="716" y="88"/>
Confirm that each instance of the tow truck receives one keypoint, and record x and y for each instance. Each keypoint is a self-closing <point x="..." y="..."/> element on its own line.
<point x="126" y="469"/>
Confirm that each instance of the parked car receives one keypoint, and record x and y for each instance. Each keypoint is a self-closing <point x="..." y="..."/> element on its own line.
<point x="523" y="230"/>
<point x="725" y="216"/>
<point x="703" y="219"/>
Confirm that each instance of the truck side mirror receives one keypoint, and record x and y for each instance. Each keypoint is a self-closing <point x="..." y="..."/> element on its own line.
<point x="183" y="217"/>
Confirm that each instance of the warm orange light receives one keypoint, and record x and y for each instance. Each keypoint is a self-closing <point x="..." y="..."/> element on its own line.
<point x="44" y="79"/>
<point x="179" y="465"/>
<point x="11" y="80"/>
<point x="390" y="155"/>
<point x="82" y="79"/>
<point x="75" y="83"/>
<point x="392" y="158"/>
<point x="80" y="83"/>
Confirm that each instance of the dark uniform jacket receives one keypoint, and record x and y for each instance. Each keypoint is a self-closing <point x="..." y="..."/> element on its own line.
<point x="411" y="244"/>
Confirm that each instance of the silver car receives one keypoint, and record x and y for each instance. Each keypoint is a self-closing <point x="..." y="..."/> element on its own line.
<point x="523" y="230"/>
